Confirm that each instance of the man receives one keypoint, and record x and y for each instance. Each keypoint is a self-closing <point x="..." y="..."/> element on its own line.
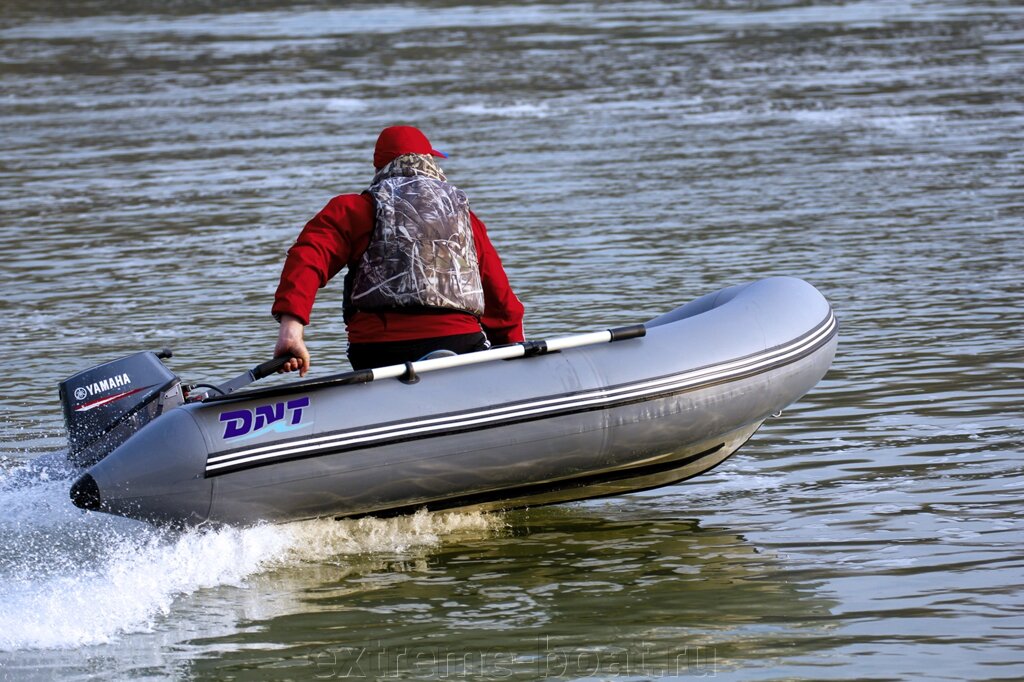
<point x="422" y="273"/>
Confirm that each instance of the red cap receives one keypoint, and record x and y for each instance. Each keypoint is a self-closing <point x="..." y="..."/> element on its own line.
<point x="398" y="140"/>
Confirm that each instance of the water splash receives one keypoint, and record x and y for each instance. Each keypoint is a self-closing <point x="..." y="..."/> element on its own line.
<point x="70" y="578"/>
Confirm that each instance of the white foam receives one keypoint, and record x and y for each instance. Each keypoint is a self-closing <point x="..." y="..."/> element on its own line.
<point x="70" y="578"/>
<point x="881" y="119"/>
<point x="518" y="110"/>
<point x="345" y="104"/>
<point x="731" y="478"/>
<point x="128" y="588"/>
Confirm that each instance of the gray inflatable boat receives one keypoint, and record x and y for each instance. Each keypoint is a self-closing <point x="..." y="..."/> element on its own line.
<point x="573" y="418"/>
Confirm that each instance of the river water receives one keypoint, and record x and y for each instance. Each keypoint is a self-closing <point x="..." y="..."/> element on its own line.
<point x="157" y="159"/>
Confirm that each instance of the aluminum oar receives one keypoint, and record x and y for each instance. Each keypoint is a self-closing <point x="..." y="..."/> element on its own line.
<point x="410" y="371"/>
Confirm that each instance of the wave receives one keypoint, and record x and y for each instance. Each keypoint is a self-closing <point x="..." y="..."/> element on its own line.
<point x="346" y="104"/>
<point x="518" y="110"/>
<point x="70" y="578"/>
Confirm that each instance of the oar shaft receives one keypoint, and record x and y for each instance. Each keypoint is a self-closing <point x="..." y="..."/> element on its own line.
<point x="502" y="353"/>
<point x="526" y="348"/>
<point x="633" y="331"/>
<point x="513" y="351"/>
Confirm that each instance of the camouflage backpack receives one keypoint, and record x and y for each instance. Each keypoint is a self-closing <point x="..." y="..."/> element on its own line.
<point x="421" y="253"/>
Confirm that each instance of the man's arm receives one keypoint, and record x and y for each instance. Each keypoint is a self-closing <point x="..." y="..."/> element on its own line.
<point x="319" y="253"/>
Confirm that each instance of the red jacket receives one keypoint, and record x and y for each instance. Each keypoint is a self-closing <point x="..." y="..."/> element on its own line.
<point x="337" y="236"/>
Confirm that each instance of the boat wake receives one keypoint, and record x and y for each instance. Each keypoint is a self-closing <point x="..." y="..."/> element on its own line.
<point x="70" y="578"/>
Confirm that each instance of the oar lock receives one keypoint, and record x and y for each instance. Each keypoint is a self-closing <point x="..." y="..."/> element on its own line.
<point x="410" y="376"/>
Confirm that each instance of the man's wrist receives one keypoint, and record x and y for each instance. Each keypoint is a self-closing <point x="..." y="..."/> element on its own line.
<point x="288" y="318"/>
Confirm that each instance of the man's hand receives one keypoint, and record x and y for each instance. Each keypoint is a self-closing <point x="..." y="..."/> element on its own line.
<point x="289" y="341"/>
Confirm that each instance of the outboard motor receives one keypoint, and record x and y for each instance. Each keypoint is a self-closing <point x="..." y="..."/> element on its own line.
<point x="106" y="404"/>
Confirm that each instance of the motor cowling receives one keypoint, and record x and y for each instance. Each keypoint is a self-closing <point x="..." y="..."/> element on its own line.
<point x="106" y="404"/>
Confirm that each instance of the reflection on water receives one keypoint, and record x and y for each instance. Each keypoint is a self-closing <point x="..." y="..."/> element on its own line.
<point x="156" y="162"/>
<point x="561" y="592"/>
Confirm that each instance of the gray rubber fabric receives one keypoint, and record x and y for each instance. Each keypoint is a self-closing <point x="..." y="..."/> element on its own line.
<point x="588" y="421"/>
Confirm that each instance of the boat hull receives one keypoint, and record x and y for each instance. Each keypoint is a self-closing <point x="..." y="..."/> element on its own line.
<point x="586" y="422"/>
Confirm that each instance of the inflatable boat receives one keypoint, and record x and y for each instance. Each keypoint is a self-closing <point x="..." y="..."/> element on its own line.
<point x="535" y="423"/>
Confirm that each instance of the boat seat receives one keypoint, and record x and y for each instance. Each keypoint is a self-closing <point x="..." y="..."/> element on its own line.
<point x="439" y="353"/>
